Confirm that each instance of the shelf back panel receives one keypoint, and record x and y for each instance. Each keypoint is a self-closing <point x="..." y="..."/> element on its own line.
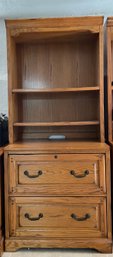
<point x="57" y="107"/>
<point x="79" y="133"/>
<point x="58" y="64"/>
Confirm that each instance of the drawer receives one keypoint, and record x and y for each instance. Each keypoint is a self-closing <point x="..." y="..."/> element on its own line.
<point x="57" y="217"/>
<point x="61" y="174"/>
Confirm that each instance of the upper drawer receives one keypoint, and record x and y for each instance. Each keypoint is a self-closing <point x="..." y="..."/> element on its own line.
<point x="57" y="174"/>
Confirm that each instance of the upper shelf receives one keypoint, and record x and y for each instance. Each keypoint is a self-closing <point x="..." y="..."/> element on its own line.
<point x="49" y="124"/>
<point x="55" y="90"/>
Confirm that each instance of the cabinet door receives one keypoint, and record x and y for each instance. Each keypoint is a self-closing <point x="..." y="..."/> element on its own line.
<point x="61" y="174"/>
<point x="57" y="217"/>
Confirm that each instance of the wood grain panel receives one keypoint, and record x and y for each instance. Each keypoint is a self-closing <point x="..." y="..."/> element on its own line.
<point x="76" y="133"/>
<point x="57" y="218"/>
<point x="55" y="22"/>
<point x="61" y="174"/>
<point x="102" y="245"/>
<point x="58" y="64"/>
<point x="58" y="107"/>
<point x="110" y="78"/>
<point x="55" y="147"/>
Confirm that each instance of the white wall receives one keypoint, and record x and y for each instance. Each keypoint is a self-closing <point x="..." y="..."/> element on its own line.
<point x="42" y="8"/>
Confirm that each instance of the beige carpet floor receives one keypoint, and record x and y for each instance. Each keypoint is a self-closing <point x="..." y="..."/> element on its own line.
<point x="56" y="253"/>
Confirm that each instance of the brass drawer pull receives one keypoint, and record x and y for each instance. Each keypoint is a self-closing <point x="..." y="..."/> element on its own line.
<point x="26" y="172"/>
<point x="85" y="173"/>
<point x="27" y="216"/>
<point x="85" y="217"/>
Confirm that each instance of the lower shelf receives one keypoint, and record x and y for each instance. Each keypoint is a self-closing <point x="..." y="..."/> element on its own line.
<point x="69" y="130"/>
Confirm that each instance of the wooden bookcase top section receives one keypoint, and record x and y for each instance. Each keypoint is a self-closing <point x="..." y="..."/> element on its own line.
<point x="55" y="77"/>
<point x="110" y="76"/>
<point x="67" y="23"/>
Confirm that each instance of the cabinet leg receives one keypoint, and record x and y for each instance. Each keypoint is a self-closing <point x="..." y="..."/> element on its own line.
<point x="104" y="248"/>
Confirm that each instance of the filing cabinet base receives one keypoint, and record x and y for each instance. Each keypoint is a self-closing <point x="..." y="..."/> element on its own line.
<point x="101" y="245"/>
<point x="41" y="212"/>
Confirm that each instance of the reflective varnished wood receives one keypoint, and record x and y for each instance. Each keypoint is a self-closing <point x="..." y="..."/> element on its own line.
<point x="36" y="210"/>
<point x="55" y="66"/>
<point x="57" y="194"/>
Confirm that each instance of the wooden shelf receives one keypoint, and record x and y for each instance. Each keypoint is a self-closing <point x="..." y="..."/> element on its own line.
<point x="56" y="90"/>
<point x="47" y="124"/>
<point x="57" y="77"/>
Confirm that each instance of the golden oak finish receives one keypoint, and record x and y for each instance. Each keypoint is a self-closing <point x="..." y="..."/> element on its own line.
<point x="110" y="92"/>
<point x="55" y="22"/>
<point x="110" y="77"/>
<point x="103" y="245"/>
<point x="51" y="57"/>
<point x="49" y="90"/>
<point x="1" y="205"/>
<point x="60" y="217"/>
<point x="57" y="192"/>
<point x="34" y="147"/>
<point x="63" y="174"/>
<point x="29" y="214"/>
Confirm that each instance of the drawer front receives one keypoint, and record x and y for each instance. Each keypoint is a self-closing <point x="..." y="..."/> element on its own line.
<point x="57" y="217"/>
<point x="57" y="174"/>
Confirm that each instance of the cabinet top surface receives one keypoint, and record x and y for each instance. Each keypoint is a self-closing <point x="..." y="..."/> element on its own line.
<point x="55" y="22"/>
<point x="58" y="147"/>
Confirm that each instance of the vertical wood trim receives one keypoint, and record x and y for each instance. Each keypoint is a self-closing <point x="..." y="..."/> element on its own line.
<point x="10" y="82"/>
<point x="6" y="181"/>
<point x="101" y="82"/>
<point x="108" y="185"/>
<point x="109" y="90"/>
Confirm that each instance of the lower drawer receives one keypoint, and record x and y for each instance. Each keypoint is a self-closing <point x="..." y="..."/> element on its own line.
<point x="57" y="217"/>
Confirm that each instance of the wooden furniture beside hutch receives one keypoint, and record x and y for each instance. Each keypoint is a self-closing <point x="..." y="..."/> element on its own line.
<point x="57" y="192"/>
<point x="1" y="203"/>
<point x="110" y="77"/>
<point x="110" y="94"/>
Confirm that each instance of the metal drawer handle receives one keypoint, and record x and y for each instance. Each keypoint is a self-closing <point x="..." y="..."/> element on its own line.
<point x="27" y="216"/>
<point x="85" y="173"/>
<point x="26" y="172"/>
<point x="85" y="217"/>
